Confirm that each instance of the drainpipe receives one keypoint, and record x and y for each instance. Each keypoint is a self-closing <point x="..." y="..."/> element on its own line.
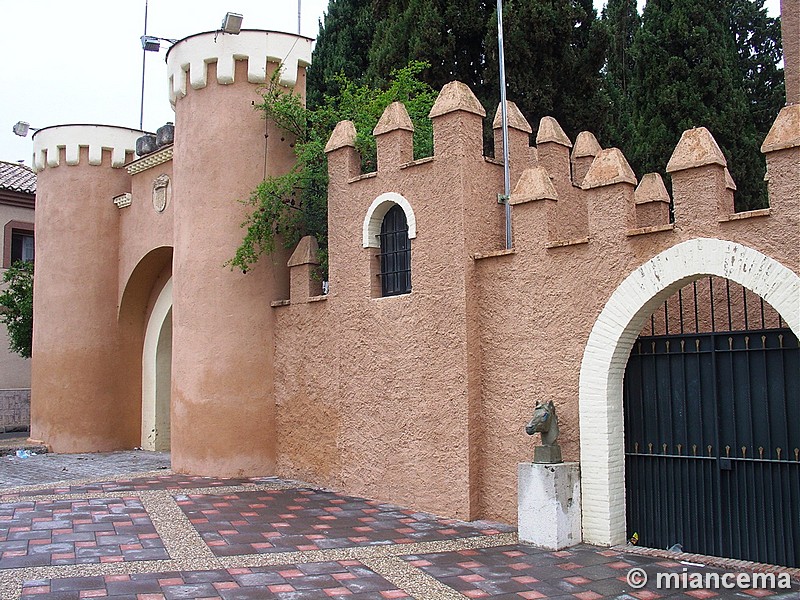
<point x="506" y="198"/>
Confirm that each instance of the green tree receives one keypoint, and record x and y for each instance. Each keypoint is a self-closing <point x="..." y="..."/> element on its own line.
<point x="687" y="75"/>
<point x="445" y="34"/>
<point x="620" y="22"/>
<point x="341" y="47"/>
<point x="16" y="307"/>
<point x="758" y="43"/>
<point x="554" y="54"/>
<point x="287" y="207"/>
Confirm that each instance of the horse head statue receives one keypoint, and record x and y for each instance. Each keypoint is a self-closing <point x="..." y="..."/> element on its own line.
<point x="544" y="421"/>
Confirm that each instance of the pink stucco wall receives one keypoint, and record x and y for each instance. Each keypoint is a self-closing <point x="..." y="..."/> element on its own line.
<point x="79" y="400"/>
<point x="422" y="398"/>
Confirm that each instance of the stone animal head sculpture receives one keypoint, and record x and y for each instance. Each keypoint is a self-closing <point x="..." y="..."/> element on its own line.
<point x="544" y="421"/>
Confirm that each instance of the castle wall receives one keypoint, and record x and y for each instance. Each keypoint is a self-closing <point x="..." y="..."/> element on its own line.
<point x="143" y="227"/>
<point x="420" y="398"/>
<point x="376" y="394"/>
<point x="486" y="332"/>
<point x="536" y="353"/>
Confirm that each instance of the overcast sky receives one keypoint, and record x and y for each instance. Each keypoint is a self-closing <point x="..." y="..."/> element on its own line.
<point x="80" y="61"/>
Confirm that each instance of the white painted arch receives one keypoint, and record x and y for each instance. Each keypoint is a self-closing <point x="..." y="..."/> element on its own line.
<point x="374" y="218"/>
<point x="156" y="368"/>
<point x="609" y="345"/>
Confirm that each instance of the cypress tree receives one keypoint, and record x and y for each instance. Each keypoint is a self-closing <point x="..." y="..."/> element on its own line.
<point x="341" y="47"/>
<point x="758" y="43"/>
<point x="554" y="53"/>
<point x="445" y="34"/>
<point x="687" y="75"/>
<point x="620" y="21"/>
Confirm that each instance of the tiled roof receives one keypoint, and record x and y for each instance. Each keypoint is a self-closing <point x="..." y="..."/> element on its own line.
<point x="17" y="178"/>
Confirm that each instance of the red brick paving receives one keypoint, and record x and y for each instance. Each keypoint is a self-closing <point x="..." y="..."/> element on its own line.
<point x="311" y="580"/>
<point x="68" y="532"/>
<point x="305" y="519"/>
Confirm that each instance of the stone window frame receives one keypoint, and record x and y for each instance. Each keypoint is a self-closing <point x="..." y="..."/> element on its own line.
<point x="371" y="229"/>
<point x="9" y="230"/>
<point x="374" y="218"/>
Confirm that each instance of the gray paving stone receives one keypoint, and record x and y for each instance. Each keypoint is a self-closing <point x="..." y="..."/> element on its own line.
<point x="51" y="468"/>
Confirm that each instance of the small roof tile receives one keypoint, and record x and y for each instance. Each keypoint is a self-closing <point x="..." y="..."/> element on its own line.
<point x="17" y="178"/>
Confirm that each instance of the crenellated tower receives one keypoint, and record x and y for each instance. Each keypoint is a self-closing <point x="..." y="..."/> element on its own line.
<point x="222" y="368"/>
<point x="77" y="404"/>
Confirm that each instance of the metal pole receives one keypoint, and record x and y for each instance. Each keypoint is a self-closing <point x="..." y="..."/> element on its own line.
<point x="504" y="117"/>
<point x="298" y="17"/>
<point x="144" y="61"/>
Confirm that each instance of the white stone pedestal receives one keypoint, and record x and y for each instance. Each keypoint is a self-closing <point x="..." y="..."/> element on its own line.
<point x="549" y="504"/>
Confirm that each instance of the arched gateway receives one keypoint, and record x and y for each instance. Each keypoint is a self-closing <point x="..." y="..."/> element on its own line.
<point x="610" y="343"/>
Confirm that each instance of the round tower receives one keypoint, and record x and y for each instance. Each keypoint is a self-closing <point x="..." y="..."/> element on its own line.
<point x="223" y="407"/>
<point x="76" y="406"/>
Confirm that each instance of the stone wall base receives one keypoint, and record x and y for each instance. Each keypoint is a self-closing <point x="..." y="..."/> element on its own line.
<point x="15" y="410"/>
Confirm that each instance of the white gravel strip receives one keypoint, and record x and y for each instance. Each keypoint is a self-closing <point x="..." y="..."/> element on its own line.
<point x="413" y="581"/>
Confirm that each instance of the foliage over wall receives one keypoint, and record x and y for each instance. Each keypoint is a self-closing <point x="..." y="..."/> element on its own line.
<point x="290" y="206"/>
<point x="635" y="81"/>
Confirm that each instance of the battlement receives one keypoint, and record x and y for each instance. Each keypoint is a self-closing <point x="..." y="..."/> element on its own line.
<point x="49" y="141"/>
<point x="590" y="192"/>
<point x="189" y="58"/>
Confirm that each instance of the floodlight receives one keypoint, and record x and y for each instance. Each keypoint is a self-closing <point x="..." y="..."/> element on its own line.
<point x="150" y="43"/>
<point x="21" y="128"/>
<point x="232" y="23"/>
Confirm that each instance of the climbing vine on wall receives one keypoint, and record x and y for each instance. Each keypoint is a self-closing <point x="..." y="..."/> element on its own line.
<point x="287" y="207"/>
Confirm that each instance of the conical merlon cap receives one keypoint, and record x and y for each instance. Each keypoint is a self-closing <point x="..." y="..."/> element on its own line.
<point x="608" y="167"/>
<point x="785" y="131"/>
<point x="696" y="148"/>
<point x="394" y="117"/>
<point x="344" y="134"/>
<point x="586" y="145"/>
<point x="534" y="184"/>
<point x="305" y="253"/>
<point x="550" y="131"/>
<point x="515" y="118"/>
<point x="456" y="96"/>
<point x="651" y="189"/>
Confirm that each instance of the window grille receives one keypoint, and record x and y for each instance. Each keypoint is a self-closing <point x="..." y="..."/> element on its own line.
<point x="395" y="254"/>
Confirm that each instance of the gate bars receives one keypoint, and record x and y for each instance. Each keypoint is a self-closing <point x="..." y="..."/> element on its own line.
<point x="712" y="429"/>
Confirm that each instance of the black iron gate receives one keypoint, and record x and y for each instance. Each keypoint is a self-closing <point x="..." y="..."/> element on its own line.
<point x="712" y="442"/>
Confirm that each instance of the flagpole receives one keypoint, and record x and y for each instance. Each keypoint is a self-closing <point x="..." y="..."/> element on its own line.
<point x="504" y="117"/>
<point x="144" y="59"/>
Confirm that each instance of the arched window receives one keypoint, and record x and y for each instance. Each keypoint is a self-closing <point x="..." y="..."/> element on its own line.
<point x="395" y="254"/>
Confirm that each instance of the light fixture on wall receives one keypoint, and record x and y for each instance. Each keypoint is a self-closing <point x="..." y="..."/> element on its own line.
<point x="151" y="43"/>
<point x="21" y="128"/>
<point x="232" y="23"/>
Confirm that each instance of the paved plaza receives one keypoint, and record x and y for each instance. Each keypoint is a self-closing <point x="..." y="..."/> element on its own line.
<point x="96" y="526"/>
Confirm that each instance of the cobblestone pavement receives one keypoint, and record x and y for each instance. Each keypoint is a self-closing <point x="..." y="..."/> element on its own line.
<point x="163" y="536"/>
<point x="43" y="468"/>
